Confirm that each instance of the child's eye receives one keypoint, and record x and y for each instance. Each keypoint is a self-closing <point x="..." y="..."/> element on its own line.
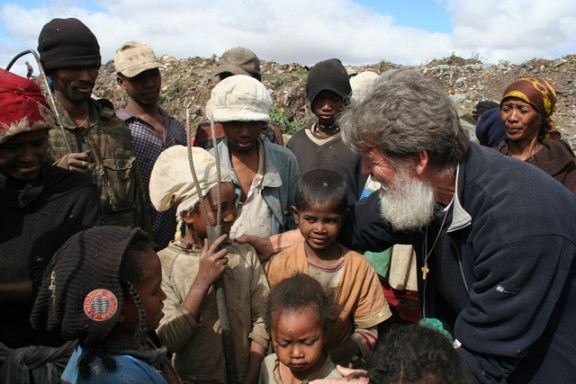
<point x="310" y="343"/>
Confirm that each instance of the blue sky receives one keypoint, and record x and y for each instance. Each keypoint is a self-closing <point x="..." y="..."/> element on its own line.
<point x="356" y="31"/>
<point x="428" y="15"/>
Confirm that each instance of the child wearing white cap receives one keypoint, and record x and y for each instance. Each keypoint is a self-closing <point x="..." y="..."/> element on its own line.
<point x="192" y="327"/>
<point x="264" y="174"/>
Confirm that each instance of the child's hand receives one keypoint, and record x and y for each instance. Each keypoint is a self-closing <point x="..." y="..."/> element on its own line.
<point x="213" y="261"/>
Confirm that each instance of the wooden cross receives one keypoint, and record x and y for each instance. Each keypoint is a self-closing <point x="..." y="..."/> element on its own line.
<point x="425" y="271"/>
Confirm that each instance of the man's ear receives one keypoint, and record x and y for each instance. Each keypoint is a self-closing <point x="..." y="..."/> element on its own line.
<point x="295" y="214"/>
<point x="121" y="82"/>
<point x="420" y="160"/>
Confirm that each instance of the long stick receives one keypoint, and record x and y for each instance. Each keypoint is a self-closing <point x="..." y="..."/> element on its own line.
<point x="213" y="233"/>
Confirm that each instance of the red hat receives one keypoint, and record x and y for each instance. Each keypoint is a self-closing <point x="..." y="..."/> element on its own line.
<point x="23" y="107"/>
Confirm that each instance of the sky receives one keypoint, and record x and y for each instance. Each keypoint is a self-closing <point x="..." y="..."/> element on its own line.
<point x="408" y="32"/>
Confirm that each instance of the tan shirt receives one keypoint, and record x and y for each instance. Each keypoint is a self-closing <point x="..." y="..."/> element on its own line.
<point x="197" y="346"/>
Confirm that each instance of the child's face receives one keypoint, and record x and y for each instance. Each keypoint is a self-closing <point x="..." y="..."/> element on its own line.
<point x="243" y="135"/>
<point x="150" y="292"/>
<point x="298" y="340"/>
<point x="326" y="106"/>
<point x="319" y="224"/>
<point x="229" y="213"/>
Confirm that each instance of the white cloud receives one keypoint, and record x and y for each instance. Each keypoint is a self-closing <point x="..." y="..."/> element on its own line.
<point x="306" y="31"/>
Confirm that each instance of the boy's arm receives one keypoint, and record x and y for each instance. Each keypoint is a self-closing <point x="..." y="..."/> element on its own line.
<point x="257" y="354"/>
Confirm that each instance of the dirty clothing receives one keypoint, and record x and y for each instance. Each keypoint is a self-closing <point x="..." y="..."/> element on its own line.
<point x="332" y="154"/>
<point x="113" y="167"/>
<point x="359" y="294"/>
<point x="148" y="144"/>
<point x="197" y="344"/>
<point x="277" y="186"/>
<point x="37" y="217"/>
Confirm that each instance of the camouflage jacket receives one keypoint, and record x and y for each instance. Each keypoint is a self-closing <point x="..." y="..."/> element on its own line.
<point x="113" y="167"/>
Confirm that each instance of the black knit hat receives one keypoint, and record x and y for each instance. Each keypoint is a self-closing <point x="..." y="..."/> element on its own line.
<point x="81" y="291"/>
<point x="328" y="75"/>
<point x="68" y="43"/>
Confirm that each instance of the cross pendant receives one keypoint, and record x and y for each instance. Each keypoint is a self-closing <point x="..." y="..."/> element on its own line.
<point x="425" y="271"/>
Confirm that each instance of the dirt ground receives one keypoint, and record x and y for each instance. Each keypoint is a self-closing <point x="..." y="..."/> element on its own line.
<point x="187" y="84"/>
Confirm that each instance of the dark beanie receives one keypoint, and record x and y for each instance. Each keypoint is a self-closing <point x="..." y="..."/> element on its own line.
<point x="490" y="129"/>
<point x="328" y="75"/>
<point x="68" y="43"/>
<point x="81" y="291"/>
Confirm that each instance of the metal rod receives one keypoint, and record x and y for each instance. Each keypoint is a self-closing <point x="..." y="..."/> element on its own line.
<point x="48" y="90"/>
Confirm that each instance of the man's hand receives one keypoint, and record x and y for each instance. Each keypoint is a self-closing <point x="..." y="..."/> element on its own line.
<point x="262" y="245"/>
<point x="266" y="247"/>
<point x="79" y="162"/>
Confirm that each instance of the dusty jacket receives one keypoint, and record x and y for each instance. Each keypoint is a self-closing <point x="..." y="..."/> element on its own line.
<point x="113" y="167"/>
<point x="197" y="346"/>
<point x="279" y="184"/>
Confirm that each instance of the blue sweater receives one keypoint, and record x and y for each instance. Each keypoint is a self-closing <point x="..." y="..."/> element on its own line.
<point x="502" y="274"/>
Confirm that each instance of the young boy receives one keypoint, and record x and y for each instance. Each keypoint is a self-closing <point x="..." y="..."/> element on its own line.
<point x="264" y="174"/>
<point x="192" y="328"/>
<point x="320" y="145"/>
<point x="152" y="129"/>
<point x="320" y="208"/>
<point x="235" y="61"/>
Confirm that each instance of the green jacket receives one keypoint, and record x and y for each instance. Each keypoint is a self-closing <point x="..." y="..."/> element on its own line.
<point x="113" y="167"/>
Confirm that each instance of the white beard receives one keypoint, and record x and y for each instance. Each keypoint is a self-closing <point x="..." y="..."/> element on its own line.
<point x="408" y="204"/>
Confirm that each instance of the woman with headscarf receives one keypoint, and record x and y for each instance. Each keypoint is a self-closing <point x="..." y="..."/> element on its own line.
<point x="525" y="110"/>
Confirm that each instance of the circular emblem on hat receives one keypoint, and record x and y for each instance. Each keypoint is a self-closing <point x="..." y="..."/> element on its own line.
<point x="100" y="305"/>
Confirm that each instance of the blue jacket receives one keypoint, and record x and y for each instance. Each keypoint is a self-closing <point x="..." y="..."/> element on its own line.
<point x="502" y="274"/>
<point x="281" y="175"/>
<point x="129" y="370"/>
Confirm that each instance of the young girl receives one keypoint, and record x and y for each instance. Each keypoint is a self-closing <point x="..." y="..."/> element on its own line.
<point x="298" y="315"/>
<point x="192" y="328"/>
<point x="103" y="288"/>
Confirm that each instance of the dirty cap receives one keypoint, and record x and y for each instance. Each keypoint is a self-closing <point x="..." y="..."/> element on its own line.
<point x="133" y="58"/>
<point x="361" y="84"/>
<point x="23" y="107"/>
<point x="171" y="183"/>
<point x="240" y="98"/>
<point x="239" y="61"/>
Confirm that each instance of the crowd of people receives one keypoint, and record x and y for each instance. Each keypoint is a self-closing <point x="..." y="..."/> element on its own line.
<point x="132" y="251"/>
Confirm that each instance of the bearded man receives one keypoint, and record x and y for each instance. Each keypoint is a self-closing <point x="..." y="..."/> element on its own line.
<point x="495" y="237"/>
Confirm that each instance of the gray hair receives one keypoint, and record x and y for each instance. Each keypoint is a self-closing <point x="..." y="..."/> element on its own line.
<point x="404" y="114"/>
